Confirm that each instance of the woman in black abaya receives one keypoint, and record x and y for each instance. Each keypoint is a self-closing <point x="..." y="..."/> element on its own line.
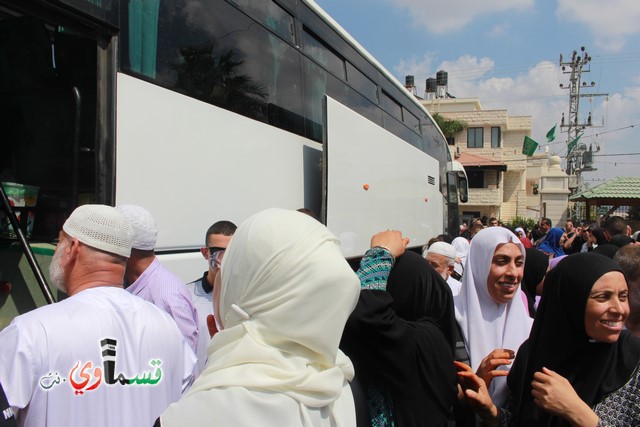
<point x="401" y="341"/>
<point x="535" y="267"/>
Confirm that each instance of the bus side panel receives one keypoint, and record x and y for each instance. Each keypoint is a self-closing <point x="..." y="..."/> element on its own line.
<point x="191" y="164"/>
<point x="376" y="181"/>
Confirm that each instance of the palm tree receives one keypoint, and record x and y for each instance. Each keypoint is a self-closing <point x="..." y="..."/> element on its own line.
<point x="215" y="78"/>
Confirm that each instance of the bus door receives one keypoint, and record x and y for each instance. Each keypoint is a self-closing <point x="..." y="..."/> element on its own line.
<point x="374" y="181"/>
<point x="457" y="192"/>
<point x="49" y="140"/>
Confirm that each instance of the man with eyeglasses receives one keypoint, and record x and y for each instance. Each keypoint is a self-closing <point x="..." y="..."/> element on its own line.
<point x="148" y="279"/>
<point x="216" y="240"/>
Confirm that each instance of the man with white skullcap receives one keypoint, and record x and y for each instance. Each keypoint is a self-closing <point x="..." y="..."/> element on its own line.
<point x="101" y="357"/>
<point x="150" y="280"/>
<point x="442" y="256"/>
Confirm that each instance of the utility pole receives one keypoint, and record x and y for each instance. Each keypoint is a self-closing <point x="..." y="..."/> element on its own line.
<point x="578" y="159"/>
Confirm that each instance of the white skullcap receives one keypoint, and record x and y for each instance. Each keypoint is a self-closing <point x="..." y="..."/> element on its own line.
<point x="519" y="230"/>
<point x="442" y="248"/>
<point x="145" y="230"/>
<point x="101" y="227"/>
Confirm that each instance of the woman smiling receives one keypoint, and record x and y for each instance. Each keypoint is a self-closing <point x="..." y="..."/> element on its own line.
<point x="490" y="309"/>
<point x="578" y="367"/>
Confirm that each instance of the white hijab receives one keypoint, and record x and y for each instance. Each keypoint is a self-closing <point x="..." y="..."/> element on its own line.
<point x="285" y="297"/>
<point x="485" y="324"/>
<point x="461" y="245"/>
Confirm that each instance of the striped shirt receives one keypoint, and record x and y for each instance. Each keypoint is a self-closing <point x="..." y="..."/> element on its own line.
<point x="164" y="289"/>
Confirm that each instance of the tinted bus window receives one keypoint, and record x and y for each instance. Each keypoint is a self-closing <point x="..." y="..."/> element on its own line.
<point x="271" y="16"/>
<point x="391" y="106"/>
<point x="411" y="121"/>
<point x="104" y="10"/>
<point x="323" y="54"/>
<point x="218" y="55"/>
<point x="319" y="82"/>
<point x="362" y="83"/>
<point x="363" y="106"/>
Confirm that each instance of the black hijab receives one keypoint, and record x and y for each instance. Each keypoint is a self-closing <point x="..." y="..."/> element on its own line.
<point x="423" y="300"/>
<point x="535" y="267"/>
<point x="606" y="250"/>
<point x="558" y="341"/>
<point x="421" y="295"/>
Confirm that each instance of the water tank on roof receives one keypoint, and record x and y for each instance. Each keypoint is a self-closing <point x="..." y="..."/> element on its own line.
<point x="442" y="78"/>
<point x="431" y="85"/>
<point x="409" y="81"/>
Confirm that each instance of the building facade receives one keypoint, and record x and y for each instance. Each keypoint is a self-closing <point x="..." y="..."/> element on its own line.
<point x="490" y="149"/>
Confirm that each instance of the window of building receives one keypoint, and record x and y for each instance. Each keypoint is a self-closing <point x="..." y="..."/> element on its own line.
<point x="475" y="178"/>
<point x="475" y="137"/>
<point x="495" y="137"/>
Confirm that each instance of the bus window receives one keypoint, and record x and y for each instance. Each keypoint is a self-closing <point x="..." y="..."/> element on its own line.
<point x="318" y="83"/>
<point x="390" y="105"/>
<point x="362" y="83"/>
<point x="323" y="54"/>
<point x="271" y="16"/>
<point x="411" y="121"/>
<point x="463" y="187"/>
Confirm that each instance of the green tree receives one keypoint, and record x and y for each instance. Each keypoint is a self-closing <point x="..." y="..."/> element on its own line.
<point x="449" y="127"/>
<point x="526" y="223"/>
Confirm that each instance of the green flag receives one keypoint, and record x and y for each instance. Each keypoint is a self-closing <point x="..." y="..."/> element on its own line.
<point x="573" y="144"/>
<point x="529" y="146"/>
<point x="551" y="135"/>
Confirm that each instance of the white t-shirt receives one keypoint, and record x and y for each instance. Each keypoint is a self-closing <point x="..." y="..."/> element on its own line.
<point x="102" y="357"/>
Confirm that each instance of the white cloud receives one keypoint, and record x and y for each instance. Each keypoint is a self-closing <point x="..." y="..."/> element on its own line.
<point x="415" y="66"/>
<point x="610" y="22"/>
<point x="535" y="92"/>
<point x="445" y="16"/>
<point x="499" y="30"/>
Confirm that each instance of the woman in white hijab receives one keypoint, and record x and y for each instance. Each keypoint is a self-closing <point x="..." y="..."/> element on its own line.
<point x="489" y="308"/>
<point x="461" y="245"/>
<point x="285" y="296"/>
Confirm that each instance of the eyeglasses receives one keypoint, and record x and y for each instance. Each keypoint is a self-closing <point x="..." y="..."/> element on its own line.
<point x="215" y="256"/>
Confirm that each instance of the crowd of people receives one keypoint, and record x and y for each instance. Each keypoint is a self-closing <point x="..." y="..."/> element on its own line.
<point x="504" y="327"/>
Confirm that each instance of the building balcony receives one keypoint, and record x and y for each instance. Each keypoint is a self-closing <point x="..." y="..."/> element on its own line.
<point x="485" y="196"/>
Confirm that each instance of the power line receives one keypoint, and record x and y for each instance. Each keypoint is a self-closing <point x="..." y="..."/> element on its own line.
<point x="618" y="154"/>
<point x="616" y="130"/>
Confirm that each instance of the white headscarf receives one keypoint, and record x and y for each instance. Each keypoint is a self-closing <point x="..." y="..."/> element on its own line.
<point x="286" y="294"/>
<point x="485" y="324"/>
<point x="461" y="245"/>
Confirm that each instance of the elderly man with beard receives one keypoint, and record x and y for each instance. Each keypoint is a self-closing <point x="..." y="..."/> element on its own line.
<point x="101" y="357"/>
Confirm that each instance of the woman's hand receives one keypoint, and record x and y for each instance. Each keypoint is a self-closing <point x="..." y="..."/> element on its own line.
<point x="391" y="240"/>
<point x="477" y="396"/>
<point x="553" y="393"/>
<point x="488" y="368"/>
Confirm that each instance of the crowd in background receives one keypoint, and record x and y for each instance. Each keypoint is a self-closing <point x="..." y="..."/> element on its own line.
<point x="506" y="327"/>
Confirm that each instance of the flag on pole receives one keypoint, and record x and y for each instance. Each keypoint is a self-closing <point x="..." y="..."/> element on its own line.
<point x="551" y="135"/>
<point x="573" y="144"/>
<point x="529" y="146"/>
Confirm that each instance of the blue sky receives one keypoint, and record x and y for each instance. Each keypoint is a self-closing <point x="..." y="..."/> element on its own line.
<point x="506" y="54"/>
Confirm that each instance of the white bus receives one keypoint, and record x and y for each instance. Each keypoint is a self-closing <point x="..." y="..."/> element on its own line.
<point x="203" y="110"/>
